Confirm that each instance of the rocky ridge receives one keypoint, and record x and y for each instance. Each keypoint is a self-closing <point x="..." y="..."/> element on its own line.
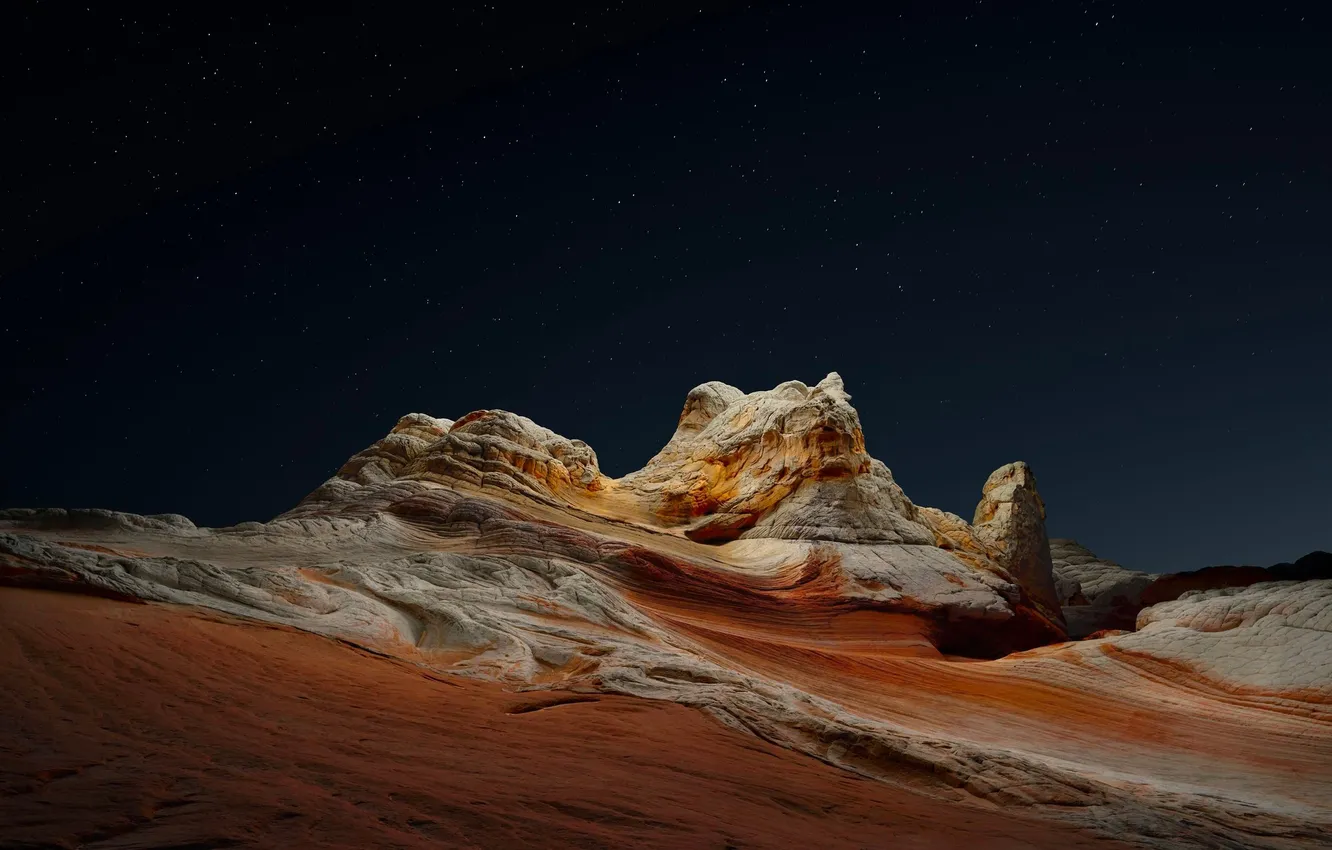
<point x="765" y="568"/>
<point x="1097" y="595"/>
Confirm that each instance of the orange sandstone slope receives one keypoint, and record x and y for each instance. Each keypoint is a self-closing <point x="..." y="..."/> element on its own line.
<point x="158" y="726"/>
<point x="764" y="568"/>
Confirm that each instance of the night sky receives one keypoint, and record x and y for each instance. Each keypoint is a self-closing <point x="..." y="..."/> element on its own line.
<point x="238" y="245"/>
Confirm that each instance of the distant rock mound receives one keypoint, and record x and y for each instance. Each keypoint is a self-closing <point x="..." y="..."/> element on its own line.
<point x="1315" y="566"/>
<point x="1311" y="567"/>
<point x="1096" y="594"/>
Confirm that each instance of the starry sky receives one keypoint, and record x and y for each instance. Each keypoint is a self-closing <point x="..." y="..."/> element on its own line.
<point x="237" y="244"/>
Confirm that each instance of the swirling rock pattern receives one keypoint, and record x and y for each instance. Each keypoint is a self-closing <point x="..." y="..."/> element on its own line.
<point x="765" y="569"/>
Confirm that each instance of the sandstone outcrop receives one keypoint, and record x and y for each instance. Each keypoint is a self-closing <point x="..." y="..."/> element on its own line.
<point x="1011" y="520"/>
<point x="787" y="466"/>
<point x="381" y="462"/>
<point x="788" y="463"/>
<point x="497" y="449"/>
<point x="764" y="568"/>
<point x="1098" y="595"/>
<point x="1095" y="593"/>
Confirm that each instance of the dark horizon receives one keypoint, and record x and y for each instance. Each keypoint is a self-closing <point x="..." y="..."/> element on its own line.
<point x="1093" y="239"/>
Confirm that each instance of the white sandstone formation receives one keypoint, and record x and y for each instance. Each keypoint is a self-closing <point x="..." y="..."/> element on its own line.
<point x="1011" y="520"/>
<point x="764" y="568"/>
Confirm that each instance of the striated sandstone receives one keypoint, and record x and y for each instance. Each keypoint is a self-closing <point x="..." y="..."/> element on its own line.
<point x="765" y="569"/>
<point x="224" y="734"/>
<point x="497" y="449"/>
<point x="787" y="463"/>
<point x="382" y="461"/>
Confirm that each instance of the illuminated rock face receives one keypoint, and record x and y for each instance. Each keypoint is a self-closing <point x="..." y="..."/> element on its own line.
<point x="495" y="448"/>
<point x="788" y="463"/>
<point x="787" y="466"/>
<point x="1011" y="520"/>
<point x="763" y="567"/>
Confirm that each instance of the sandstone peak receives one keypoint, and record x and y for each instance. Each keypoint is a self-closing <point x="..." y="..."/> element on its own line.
<point x="703" y="404"/>
<point x="381" y="462"/>
<point x="422" y="425"/>
<point x="787" y="462"/>
<point x="1011" y="519"/>
<point x="1003" y="486"/>
<point x="832" y="385"/>
<point x="496" y="448"/>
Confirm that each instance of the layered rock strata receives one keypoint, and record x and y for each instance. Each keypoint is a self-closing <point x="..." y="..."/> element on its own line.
<point x="765" y="568"/>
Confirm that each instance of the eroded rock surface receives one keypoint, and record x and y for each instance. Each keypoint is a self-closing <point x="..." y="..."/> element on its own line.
<point x="1095" y="593"/>
<point x="788" y="463"/>
<point x="1011" y="520"/>
<point x="226" y="735"/>
<point x="381" y="462"/>
<point x="1098" y="595"/>
<point x="764" y="568"/>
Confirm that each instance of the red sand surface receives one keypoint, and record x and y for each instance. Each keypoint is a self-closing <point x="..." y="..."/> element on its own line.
<point x="141" y="726"/>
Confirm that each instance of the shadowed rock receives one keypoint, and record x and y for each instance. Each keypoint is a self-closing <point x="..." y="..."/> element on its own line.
<point x="1096" y="594"/>
<point x="1311" y="567"/>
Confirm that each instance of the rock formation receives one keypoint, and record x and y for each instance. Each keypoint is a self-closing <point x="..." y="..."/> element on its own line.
<point x="764" y="568"/>
<point x="789" y="463"/>
<point x="271" y="738"/>
<point x="1171" y="586"/>
<point x="1096" y="594"/>
<point x="1011" y="520"/>
<point x="382" y="461"/>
